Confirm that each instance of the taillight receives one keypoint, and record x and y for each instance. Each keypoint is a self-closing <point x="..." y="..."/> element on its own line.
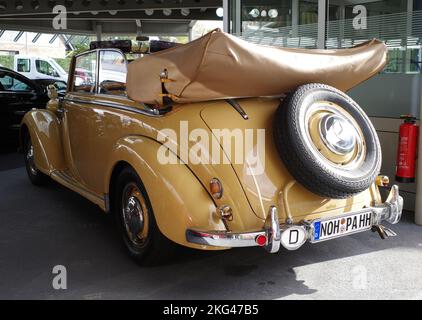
<point x="216" y="188"/>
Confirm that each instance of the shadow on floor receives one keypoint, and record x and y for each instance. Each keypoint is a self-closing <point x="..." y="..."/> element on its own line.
<point x="10" y="158"/>
<point x="44" y="227"/>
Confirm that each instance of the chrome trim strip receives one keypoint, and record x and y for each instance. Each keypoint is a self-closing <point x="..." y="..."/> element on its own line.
<point x="238" y="108"/>
<point x="152" y="113"/>
<point x="223" y="238"/>
<point x="69" y="180"/>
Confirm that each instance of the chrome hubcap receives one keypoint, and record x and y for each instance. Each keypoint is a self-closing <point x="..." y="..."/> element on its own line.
<point x="30" y="160"/>
<point x="338" y="134"/>
<point x="135" y="214"/>
<point x="333" y="135"/>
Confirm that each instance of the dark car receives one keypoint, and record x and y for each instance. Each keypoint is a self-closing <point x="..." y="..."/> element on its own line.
<point x="18" y="95"/>
<point x="60" y="85"/>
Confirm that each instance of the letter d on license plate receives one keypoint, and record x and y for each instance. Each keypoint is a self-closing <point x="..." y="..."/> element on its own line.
<point x="341" y="226"/>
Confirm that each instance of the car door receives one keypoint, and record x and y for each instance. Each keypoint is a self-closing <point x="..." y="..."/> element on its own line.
<point x="85" y="130"/>
<point x="18" y="95"/>
<point x="78" y="119"/>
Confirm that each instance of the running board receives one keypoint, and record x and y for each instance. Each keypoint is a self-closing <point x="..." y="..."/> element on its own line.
<point x="69" y="182"/>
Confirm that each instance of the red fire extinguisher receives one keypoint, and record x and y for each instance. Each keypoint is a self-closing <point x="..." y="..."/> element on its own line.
<point x="407" y="150"/>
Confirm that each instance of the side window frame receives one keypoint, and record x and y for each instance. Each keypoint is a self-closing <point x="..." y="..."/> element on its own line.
<point x="98" y="89"/>
<point x="71" y="84"/>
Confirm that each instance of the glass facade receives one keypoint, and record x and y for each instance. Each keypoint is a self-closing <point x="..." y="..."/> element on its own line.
<point x="373" y="8"/>
<point x="294" y="23"/>
<point x="346" y="23"/>
<point x="266" y="14"/>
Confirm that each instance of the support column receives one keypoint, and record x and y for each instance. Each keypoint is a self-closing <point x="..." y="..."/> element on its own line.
<point x="226" y="16"/>
<point x="418" y="204"/>
<point x="295" y="18"/>
<point x="322" y="23"/>
<point x="237" y="17"/>
<point x="138" y="28"/>
<point x="418" y="196"/>
<point x="98" y="31"/>
<point x="190" y="34"/>
<point x="406" y="55"/>
<point x="342" y="22"/>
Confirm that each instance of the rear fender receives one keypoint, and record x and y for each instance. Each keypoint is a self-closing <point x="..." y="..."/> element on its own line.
<point x="177" y="197"/>
<point x="44" y="130"/>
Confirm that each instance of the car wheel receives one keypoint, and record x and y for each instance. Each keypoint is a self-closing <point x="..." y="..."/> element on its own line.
<point x="327" y="142"/>
<point x="136" y="222"/>
<point x="35" y="175"/>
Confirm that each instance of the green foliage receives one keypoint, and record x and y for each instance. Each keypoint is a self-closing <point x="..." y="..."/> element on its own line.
<point x="79" y="48"/>
<point x="64" y="63"/>
<point x="6" y="61"/>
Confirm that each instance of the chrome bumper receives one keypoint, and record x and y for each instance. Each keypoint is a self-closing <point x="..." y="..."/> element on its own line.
<point x="275" y="234"/>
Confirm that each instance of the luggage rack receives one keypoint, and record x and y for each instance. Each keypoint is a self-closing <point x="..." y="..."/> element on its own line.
<point x="142" y="45"/>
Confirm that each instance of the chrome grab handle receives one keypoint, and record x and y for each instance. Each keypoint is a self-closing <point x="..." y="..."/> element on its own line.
<point x="61" y="112"/>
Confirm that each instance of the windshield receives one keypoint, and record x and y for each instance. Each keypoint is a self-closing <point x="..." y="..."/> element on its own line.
<point x="59" y="69"/>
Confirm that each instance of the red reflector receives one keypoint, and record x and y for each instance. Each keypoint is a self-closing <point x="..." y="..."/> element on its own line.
<point x="261" y="240"/>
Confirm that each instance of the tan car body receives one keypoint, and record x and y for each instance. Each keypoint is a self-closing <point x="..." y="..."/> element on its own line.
<point x="85" y="139"/>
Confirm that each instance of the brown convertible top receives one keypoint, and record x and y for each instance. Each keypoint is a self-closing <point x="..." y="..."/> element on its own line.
<point x="219" y="66"/>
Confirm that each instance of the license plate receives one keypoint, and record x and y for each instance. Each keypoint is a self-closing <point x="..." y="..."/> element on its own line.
<point x="341" y="226"/>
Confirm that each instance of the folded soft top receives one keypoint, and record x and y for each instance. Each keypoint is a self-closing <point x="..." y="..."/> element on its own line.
<point x="220" y="66"/>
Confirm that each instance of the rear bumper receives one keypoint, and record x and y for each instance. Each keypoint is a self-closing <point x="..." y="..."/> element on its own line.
<point x="273" y="234"/>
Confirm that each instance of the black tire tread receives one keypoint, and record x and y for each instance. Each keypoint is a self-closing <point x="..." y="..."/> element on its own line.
<point x="40" y="179"/>
<point x="298" y="159"/>
<point x="159" y="249"/>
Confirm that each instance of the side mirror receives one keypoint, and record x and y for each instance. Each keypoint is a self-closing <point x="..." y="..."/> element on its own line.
<point x="52" y="92"/>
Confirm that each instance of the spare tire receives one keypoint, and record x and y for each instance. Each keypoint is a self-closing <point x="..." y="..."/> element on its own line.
<point x="327" y="142"/>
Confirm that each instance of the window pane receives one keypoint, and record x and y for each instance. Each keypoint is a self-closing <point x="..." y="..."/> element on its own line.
<point x="266" y="14"/>
<point x="112" y="76"/>
<point x="45" y="68"/>
<point x="308" y="12"/>
<point x="12" y="84"/>
<point x="24" y="65"/>
<point x="85" y="73"/>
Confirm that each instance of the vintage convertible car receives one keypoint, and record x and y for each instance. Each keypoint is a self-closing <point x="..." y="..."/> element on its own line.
<point x="217" y="144"/>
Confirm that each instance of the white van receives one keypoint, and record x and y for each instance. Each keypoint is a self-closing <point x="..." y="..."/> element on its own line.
<point x="39" y="68"/>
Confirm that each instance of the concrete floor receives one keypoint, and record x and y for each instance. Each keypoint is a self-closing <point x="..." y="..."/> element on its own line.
<point x="44" y="227"/>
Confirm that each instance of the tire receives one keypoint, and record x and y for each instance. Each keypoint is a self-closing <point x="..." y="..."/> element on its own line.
<point x="36" y="177"/>
<point x="149" y="246"/>
<point x="318" y="165"/>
